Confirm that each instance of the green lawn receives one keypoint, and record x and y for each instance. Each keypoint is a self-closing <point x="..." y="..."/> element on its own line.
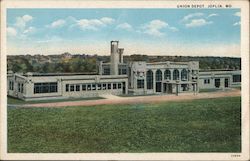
<point x="11" y="100"/>
<point x="206" y="125"/>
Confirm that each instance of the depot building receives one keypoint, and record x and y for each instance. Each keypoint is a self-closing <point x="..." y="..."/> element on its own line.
<point x="119" y="78"/>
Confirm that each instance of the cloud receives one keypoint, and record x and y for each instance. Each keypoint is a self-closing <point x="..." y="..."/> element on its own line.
<point x="21" y="21"/>
<point x="124" y="26"/>
<point x="237" y="14"/>
<point x="93" y="24"/>
<point x="29" y="30"/>
<point x="212" y="15"/>
<point x="197" y="19"/>
<point x="107" y="20"/>
<point x="11" y="31"/>
<point x="237" y="23"/>
<point x="198" y="23"/>
<point x="154" y="28"/>
<point x="189" y="16"/>
<point x="57" y="24"/>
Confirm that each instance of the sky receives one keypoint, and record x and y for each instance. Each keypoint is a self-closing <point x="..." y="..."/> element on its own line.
<point x="186" y="32"/>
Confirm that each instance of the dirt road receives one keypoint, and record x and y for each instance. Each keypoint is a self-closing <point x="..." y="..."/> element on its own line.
<point x="110" y="99"/>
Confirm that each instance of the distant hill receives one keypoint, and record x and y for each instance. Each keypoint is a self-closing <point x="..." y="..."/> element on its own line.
<point x="88" y="63"/>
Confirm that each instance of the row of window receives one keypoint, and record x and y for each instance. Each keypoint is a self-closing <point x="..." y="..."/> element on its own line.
<point x="45" y="87"/>
<point x="89" y="87"/>
<point x="168" y="75"/>
<point x="236" y="78"/>
<point x="19" y="86"/>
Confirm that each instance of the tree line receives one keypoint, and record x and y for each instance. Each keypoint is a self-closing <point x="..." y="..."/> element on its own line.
<point x="88" y="64"/>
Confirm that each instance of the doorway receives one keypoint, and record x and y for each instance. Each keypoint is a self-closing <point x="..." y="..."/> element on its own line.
<point x="167" y="88"/>
<point x="158" y="86"/>
<point x="217" y="83"/>
<point x="226" y="82"/>
<point x="123" y="88"/>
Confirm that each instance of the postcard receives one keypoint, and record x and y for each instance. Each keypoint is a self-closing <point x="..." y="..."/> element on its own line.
<point x="124" y="80"/>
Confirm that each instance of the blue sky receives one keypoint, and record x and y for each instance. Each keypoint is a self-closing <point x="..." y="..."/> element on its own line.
<point x="201" y="32"/>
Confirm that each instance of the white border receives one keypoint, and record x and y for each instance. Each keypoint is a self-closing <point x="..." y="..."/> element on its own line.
<point x="244" y="155"/>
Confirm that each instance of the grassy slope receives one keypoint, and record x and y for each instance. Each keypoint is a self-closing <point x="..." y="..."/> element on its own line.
<point x="208" y="125"/>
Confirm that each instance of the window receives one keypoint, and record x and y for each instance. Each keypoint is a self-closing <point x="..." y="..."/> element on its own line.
<point x="99" y="86"/>
<point x="93" y="86"/>
<point x="184" y="75"/>
<point x="114" y="86"/>
<point x="158" y="75"/>
<point x="124" y="71"/>
<point x="45" y="87"/>
<point x="89" y="87"/>
<point x="53" y="87"/>
<point x="140" y="83"/>
<point x="106" y="71"/>
<point x="149" y="79"/>
<point x="109" y="86"/>
<point x="167" y="74"/>
<point x="67" y="87"/>
<point x="237" y="78"/>
<point x="119" y="85"/>
<point x="19" y="87"/>
<point x="206" y="81"/>
<point x="104" y="86"/>
<point x="176" y="74"/>
<point x="217" y="83"/>
<point x="11" y="85"/>
<point x="72" y="87"/>
<point x="77" y="87"/>
<point x="84" y="87"/>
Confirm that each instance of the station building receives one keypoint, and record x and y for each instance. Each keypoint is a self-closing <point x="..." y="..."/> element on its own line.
<point x="119" y="78"/>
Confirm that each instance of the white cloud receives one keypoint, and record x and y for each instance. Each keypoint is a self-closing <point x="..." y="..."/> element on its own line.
<point x="198" y="23"/>
<point x="124" y="26"/>
<point x="189" y="16"/>
<point x="93" y="24"/>
<point x="29" y="30"/>
<point x="11" y="31"/>
<point x="27" y="18"/>
<point x="237" y="14"/>
<point x="57" y="24"/>
<point x="107" y="20"/>
<point x="212" y="15"/>
<point x="154" y="28"/>
<point x="21" y="21"/>
<point x="197" y="19"/>
<point x="237" y="23"/>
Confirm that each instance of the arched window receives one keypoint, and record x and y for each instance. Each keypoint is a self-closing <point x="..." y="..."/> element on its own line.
<point x="184" y="74"/>
<point x="176" y="74"/>
<point x="167" y="74"/>
<point x="158" y="75"/>
<point x="149" y="79"/>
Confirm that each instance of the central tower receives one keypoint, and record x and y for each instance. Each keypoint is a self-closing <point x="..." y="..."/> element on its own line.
<point x="116" y="57"/>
